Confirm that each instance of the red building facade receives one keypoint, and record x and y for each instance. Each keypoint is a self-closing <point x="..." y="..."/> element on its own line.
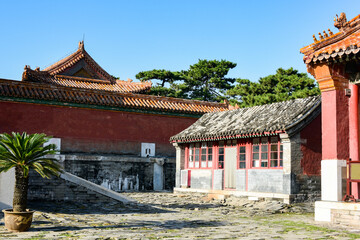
<point x="108" y="131"/>
<point x="271" y="151"/>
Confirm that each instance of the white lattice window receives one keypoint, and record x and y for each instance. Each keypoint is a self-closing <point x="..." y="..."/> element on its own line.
<point x="147" y="149"/>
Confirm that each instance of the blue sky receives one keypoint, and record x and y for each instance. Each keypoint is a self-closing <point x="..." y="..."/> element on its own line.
<point x="126" y="37"/>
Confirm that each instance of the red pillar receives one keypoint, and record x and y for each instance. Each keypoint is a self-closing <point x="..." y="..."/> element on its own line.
<point x="354" y="132"/>
<point x="335" y="129"/>
<point x="334" y="112"/>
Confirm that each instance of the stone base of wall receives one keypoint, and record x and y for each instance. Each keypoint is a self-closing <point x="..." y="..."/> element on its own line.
<point x="308" y="197"/>
<point x="308" y="188"/>
<point x="116" y="173"/>
<point x="286" y="198"/>
<point x="308" y="183"/>
<point x="261" y="182"/>
<point x="120" y="173"/>
<point x="338" y="212"/>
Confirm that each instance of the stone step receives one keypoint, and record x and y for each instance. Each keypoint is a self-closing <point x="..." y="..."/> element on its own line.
<point x="96" y="188"/>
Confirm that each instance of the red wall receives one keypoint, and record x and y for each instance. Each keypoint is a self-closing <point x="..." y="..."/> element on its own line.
<point x="311" y="147"/>
<point x="335" y="115"/>
<point x="92" y="130"/>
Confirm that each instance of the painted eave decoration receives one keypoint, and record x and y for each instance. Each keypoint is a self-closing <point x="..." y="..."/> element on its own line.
<point x="270" y="119"/>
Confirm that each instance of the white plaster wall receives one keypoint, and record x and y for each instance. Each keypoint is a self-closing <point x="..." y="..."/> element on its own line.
<point x="7" y="184"/>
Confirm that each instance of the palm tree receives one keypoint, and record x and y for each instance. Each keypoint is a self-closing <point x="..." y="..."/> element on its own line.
<point x="24" y="152"/>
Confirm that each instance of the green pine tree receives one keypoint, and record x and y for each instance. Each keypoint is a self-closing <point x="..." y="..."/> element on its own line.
<point x="286" y="84"/>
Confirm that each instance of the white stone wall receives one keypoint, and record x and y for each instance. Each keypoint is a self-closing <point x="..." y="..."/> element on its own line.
<point x="7" y="185"/>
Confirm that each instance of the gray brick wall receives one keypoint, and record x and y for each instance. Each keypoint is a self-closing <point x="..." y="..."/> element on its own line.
<point x="241" y="180"/>
<point x="218" y="179"/>
<point x="264" y="180"/>
<point x="309" y="188"/>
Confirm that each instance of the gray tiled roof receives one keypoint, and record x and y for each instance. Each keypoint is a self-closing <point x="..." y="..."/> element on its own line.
<point x="289" y="116"/>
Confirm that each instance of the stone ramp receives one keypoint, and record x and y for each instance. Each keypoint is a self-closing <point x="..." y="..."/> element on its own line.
<point x="96" y="188"/>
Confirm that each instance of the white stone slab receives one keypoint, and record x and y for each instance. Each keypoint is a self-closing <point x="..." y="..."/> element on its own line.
<point x="331" y="179"/>
<point x="158" y="179"/>
<point x="323" y="209"/>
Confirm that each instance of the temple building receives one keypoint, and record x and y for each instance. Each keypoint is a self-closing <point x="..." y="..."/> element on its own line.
<point x="108" y="132"/>
<point x="268" y="151"/>
<point x="333" y="59"/>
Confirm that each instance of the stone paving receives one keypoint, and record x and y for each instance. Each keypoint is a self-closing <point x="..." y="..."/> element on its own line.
<point x="178" y="216"/>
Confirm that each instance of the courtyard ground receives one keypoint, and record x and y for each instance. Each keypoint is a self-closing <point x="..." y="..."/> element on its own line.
<point x="178" y="216"/>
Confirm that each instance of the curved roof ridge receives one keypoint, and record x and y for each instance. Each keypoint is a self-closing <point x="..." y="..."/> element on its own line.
<point x="75" y="57"/>
<point x="59" y="62"/>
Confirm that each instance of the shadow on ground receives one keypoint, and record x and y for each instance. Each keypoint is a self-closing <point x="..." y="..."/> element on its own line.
<point x="187" y="205"/>
<point x="114" y="208"/>
<point x="133" y="225"/>
<point x="92" y="208"/>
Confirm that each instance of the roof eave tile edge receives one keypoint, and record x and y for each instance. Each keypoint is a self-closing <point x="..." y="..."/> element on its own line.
<point x="223" y="106"/>
<point x="225" y="137"/>
<point x="72" y="90"/>
<point x="124" y="94"/>
<point x="100" y="107"/>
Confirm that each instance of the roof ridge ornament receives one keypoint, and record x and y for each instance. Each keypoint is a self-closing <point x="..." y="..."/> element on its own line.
<point x="325" y="34"/>
<point x="341" y="22"/>
<point x="315" y="40"/>
<point x="81" y="46"/>
<point x="321" y="37"/>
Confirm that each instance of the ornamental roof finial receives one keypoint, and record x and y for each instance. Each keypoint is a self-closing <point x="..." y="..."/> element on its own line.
<point x="81" y="45"/>
<point x="341" y="22"/>
<point x="325" y="34"/>
<point x="315" y="40"/>
<point x="321" y="37"/>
